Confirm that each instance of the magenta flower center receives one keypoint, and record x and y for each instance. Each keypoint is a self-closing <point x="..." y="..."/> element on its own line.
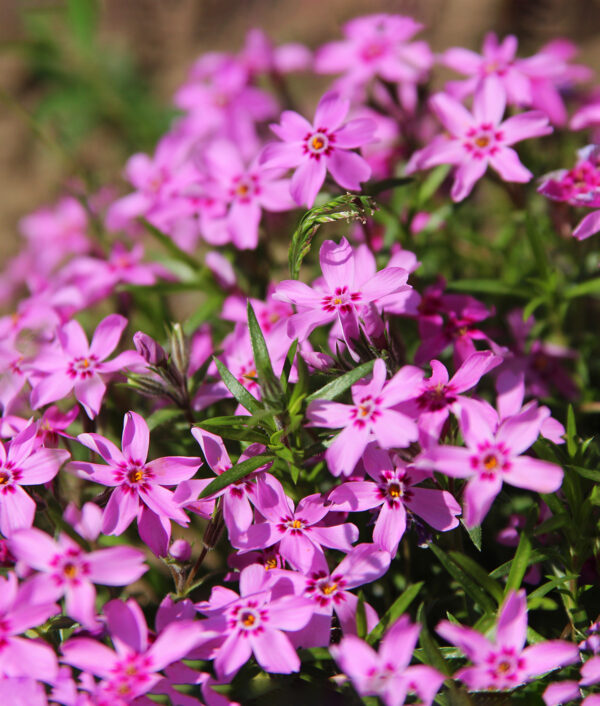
<point x="134" y="475"/>
<point x="245" y="188"/>
<point x="394" y="488"/>
<point x="8" y="477"/>
<point x="491" y="460"/>
<point x="248" y="618"/>
<point x="483" y="141"/>
<point x="82" y="367"/>
<point x="436" y="397"/>
<point x="318" y="143"/>
<point x="341" y="300"/>
<point x="367" y="410"/>
<point x="374" y="50"/>
<point x="295" y="525"/>
<point x="506" y="668"/>
<point x="325" y="589"/>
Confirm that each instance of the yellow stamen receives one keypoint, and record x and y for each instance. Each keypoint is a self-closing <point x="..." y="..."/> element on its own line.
<point x="482" y="141"/>
<point x="490" y="462"/>
<point x="136" y="475"/>
<point x="329" y="588"/>
<point x="317" y="142"/>
<point x="296" y="524"/>
<point x="70" y="571"/>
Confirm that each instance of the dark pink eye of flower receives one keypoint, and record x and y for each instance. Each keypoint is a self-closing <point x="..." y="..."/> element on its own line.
<point x="437" y="397"/>
<point x="483" y="140"/>
<point x="82" y="367"/>
<point x="367" y="410"/>
<point x="375" y="49"/>
<point x="318" y="143"/>
<point x="342" y="299"/>
<point x="492" y="459"/>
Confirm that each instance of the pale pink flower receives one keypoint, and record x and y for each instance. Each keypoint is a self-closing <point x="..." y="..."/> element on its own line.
<point x="74" y="364"/>
<point x="387" y="674"/>
<point x="321" y="147"/>
<point x="503" y="663"/>
<point x="477" y="139"/>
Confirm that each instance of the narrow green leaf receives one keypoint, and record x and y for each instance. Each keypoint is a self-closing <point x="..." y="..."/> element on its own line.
<point x="235" y="473"/>
<point x="479" y="574"/>
<point x="169" y="245"/>
<point x="234" y="427"/>
<point x="551" y="585"/>
<point x="588" y="473"/>
<point x="361" y="616"/>
<point x="519" y="565"/>
<point x="571" y="432"/>
<point x="82" y="16"/>
<point x="337" y="387"/>
<point x="469" y="586"/>
<point x="504" y="569"/>
<point x="474" y="534"/>
<point x="432" y="183"/>
<point x="245" y="398"/>
<point x="532" y="306"/>
<point x="264" y="368"/>
<point x="397" y="608"/>
<point x="374" y="188"/>
<point x="288" y="363"/>
<point x="592" y="286"/>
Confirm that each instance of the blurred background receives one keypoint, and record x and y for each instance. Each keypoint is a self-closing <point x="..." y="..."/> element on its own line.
<point x="84" y="83"/>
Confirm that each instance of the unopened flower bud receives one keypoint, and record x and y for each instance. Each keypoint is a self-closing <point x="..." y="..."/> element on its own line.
<point x="151" y="351"/>
<point x="181" y="550"/>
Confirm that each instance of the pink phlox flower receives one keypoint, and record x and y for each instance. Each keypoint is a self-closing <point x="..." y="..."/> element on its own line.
<point x="387" y="674"/>
<point x="342" y="296"/>
<point x="493" y="457"/>
<point x="236" y="497"/>
<point x="255" y="622"/>
<point x="540" y="362"/>
<point x="259" y="55"/>
<point x="510" y="386"/>
<point x="439" y="395"/>
<point x="22" y="691"/>
<point x="393" y="490"/>
<point x="74" y="364"/>
<point x="271" y="313"/>
<point x="579" y="186"/>
<point x="371" y="417"/>
<point x="220" y="101"/>
<point x="55" y="233"/>
<point x="132" y="669"/>
<point x="532" y="82"/>
<point x="378" y="46"/>
<point x="269" y="559"/>
<point x="158" y="180"/>
<point x="19" y="656"/>
<point x="588" y="116"/>
<point x="245" y="192"/>
<point x="23" y="462"/>
<point x="330" y="592"/>
<point x="64" y="568"/>
<point x="300" y="532"/>
<point x="476" y="139"/>
<point x="451" y="320"/>
<point x="323" y="146"/>
<point x="138" y="484"/>
<point x="501" y="663"/>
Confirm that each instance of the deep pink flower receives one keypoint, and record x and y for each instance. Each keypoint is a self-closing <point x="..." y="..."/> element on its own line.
<point x="387" y="674"/>
<point x="378" y="46"/>
<point x="66" y="569"/>
<point x="300" y="531"/>
<point x="23" y="462"/>
<point x="439" y="395"/>
<point x="254" y="622"/>
<point x="321" y="147"/>
<point x="133" y="669"/>
<point x="343" y="295"/>
<point x="477" y="139"/>
<point x="21" y="657"/>
<point x="245" y="192"/>
<point x="330" y="592"/>
<point x="395" y="491"/>
<point x="74" y="364"/>
<point x="503" y="663"/>
<point x="372" y="417"/>
<point x="493" y="457"/>
<point x="138" y="484"/>
<point x="579" y="186"/>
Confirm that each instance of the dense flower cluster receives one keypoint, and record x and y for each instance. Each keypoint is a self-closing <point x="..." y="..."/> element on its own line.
<point x="306" y="432"/>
